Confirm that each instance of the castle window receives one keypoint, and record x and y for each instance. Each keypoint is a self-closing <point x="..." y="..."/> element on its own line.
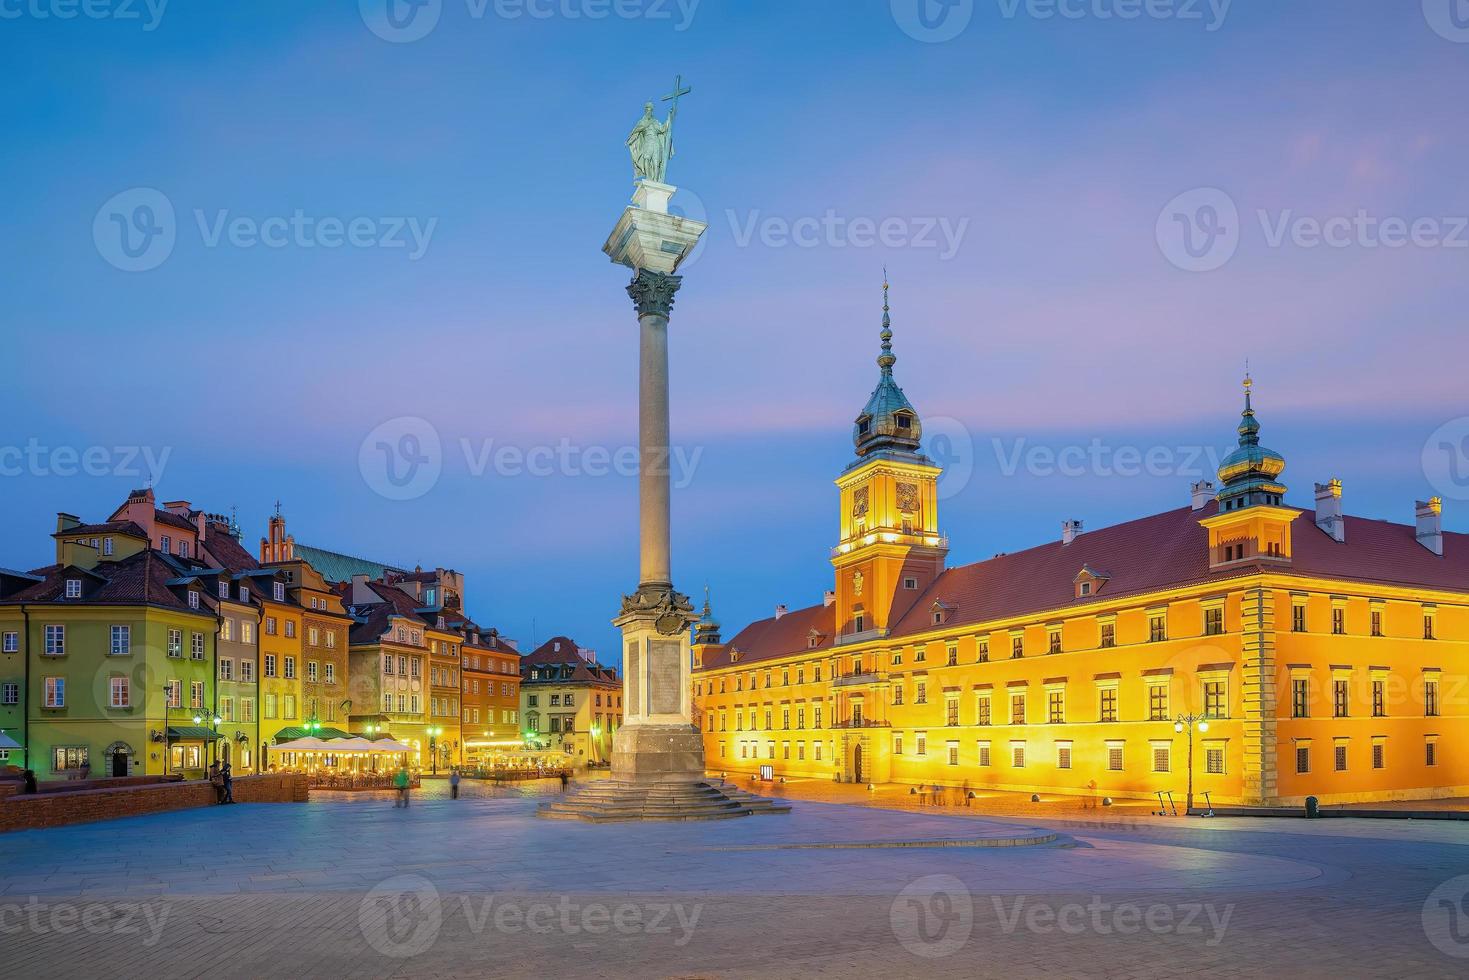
<point x="1017" y="647"/>
<point x="910" y="583"/>
<point x="1085" y="589"/>
<point x="1377" y="622"/>
<point x="904" y="421"/>
<point x="864" y="426"/>
<point x="1300" y="697"/>
<point x="1214" y="621"/>
<point x="1109" y="635"/>
<point x="859" y="623"/>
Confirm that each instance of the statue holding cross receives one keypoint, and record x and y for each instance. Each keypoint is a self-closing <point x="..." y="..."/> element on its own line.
<point x="651" y="141"/>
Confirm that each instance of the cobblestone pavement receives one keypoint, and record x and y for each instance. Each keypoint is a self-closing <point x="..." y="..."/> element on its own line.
<point x="350" y="886"/>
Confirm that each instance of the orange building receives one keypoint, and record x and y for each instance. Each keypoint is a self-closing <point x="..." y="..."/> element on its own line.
<point x="490" y="697"/>
<point x="1253" y="650"/>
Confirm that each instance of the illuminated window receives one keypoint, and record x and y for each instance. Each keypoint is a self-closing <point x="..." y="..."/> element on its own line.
<point x="1108" y="710"/>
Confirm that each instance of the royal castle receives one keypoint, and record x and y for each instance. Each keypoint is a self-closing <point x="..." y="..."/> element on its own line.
<point x="1260" y="651"/>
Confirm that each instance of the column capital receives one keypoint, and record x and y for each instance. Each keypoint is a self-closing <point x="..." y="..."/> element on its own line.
<point x="652" y="292"/>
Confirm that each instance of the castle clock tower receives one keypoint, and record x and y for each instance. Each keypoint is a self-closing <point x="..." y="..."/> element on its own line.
<point x="890" y="548"/>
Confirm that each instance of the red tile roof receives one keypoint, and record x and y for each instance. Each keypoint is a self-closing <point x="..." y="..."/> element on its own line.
<point x="142" y="578"/>
<point x="109" y="527"/>
<point x="1163" y="551"/>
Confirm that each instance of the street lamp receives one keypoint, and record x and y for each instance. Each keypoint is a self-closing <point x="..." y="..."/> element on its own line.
<point x="434" y="732"/>
<point x="167" y="704"/>
<point x="1186" y="723"/>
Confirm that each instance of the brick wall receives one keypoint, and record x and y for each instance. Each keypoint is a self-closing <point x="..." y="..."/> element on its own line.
<point x="26" y="812"/>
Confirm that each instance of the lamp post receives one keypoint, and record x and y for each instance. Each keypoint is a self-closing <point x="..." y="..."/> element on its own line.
<point x="167" y="705"/>
<point x="434" y="732"/>
<point x="1186" y="723"/>
<point x="215" y="719"/>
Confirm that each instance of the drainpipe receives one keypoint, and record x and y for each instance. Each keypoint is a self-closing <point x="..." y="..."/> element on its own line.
<point x="25" y="714"/>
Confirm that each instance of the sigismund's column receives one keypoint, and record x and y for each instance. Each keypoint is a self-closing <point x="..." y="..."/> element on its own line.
<point x="657" y="741"/>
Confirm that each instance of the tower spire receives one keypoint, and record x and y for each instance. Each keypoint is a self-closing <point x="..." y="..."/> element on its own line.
<point x="887" y="358"/>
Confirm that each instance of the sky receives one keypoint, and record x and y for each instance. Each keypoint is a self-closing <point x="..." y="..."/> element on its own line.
<point x="347" y="256"/>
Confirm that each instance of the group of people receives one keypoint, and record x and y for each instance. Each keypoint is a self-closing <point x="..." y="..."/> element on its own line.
<point x="223" y="782"/>
<point x="402" y="782"/>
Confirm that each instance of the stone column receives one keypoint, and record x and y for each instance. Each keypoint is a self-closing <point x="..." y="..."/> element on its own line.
<point x="652" y="295"/>
<point x="657" y="741"/>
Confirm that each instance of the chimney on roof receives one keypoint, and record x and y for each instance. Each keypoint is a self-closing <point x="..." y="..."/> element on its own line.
<point x="828" y="598"/>
<point x="1069" y="531"/>
<point x="1201" y="493"/>
<point x="201" y="524"/>
<point x="1328" y="510"/>
<point x="65" y="522"/>
<point x="1430" y="524"/>
<point x="179" y="507"/>
<point x="780" y="610"/>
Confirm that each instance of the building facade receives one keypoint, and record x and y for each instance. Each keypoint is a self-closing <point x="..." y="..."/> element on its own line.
<point x="569" y="702"/>
<point x="1257" y="651"/>
<point x="490" y="699"/>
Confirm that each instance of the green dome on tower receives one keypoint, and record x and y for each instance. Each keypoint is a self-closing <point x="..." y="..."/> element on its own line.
<point x="888" y="421"/>
<point x="1250" y="474"/>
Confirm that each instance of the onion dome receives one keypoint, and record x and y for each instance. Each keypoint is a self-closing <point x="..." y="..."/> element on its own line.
<point x="706" y="630"/>
<point x="1249" y="475"/>
<point x="888" y="421"/>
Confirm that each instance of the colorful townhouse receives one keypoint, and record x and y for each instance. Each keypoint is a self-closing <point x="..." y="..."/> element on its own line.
<point x="490" y="698"/>
<point x="114" y="652"/>
<point x="569" y="702"/>
<point x="1255" y="650"/>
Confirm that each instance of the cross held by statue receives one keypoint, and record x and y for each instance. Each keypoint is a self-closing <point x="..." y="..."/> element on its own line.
<point x="678" y="90"/>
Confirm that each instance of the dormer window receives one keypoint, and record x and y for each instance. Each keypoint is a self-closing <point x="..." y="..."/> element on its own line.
<point x="244" y="593"/>
<point x="193" y="599"/>
<point x="73" y="588"/>
<point x="1084" y="589"/>
<point x="939" y="613"/>
<point x="1088" y="582"/>
<point x="280" y="592"/>
<point x="864" y="426"/>
<point x="904" y="420"/>
<point x="224" y="590"/>
<point x="910" y="582"/>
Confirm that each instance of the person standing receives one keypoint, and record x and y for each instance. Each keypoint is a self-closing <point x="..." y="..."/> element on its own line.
<point x="454" y="784"/>
<point x="401" y="782"/>
<point x="228" y="782"/>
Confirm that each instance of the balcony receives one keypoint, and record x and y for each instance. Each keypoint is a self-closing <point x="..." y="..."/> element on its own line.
<point x="892" y="536"/>
<point x="859" y="678"/>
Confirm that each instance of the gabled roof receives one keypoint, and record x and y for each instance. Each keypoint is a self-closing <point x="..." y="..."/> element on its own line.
<point x="128" y="528"/>
<point x="144" y="578"/>
<point x="228" y="553"/>
<point x="1150" y="554"/>
<point x="337" y="567"/>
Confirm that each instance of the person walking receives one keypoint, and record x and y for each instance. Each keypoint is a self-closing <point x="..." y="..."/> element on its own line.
<point x="30" y="781"/>
<point x="454" y="784"/>
<point x="401" y="782"/>
<point x="565" y="780"/>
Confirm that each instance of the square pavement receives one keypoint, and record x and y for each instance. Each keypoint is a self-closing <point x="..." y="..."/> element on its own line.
<point x="348" y="885"/>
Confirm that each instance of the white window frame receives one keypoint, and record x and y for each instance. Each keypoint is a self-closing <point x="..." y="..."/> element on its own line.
<point x="120" y="640"/>
<point x="119" y="692"/>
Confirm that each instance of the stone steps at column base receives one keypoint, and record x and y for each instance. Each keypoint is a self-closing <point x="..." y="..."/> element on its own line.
<point x="612" y="800"/>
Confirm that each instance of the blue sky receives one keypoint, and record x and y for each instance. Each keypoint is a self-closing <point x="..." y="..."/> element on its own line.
<point x="1033" y="176"/>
